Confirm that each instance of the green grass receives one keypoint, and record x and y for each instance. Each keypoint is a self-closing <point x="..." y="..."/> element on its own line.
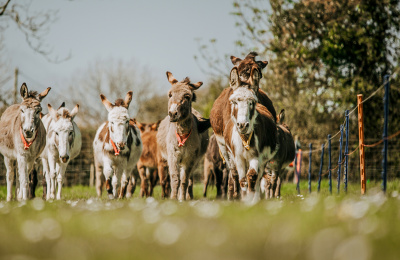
<point x="309" y="226"/>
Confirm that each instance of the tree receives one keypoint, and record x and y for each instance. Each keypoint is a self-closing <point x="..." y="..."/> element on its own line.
<point x="113" y="79"/>
<point x="322" y="53"/>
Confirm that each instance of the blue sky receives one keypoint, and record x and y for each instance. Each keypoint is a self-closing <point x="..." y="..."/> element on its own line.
<point x="157" y="34"/>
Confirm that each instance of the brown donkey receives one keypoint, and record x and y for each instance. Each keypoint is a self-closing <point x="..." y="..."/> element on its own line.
<point x="215" y="169"/>
<point x="22" y="138"/>
<point x="182" y="138"/>
<point x="250" y="136"/>
<point x="147" y="165"/>
<point x="247" y="69"/>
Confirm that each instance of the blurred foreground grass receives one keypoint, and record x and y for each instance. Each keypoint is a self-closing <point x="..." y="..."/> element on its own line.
<point x="309" y="226"/>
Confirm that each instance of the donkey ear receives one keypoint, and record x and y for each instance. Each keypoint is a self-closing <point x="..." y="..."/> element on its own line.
<point x="235" y="61"/>
<point x="155" y="126"/>
<point x="52" y="112"/>
<point x="281" y="116"/>
<point x="62" y="105"/>
<point x="171" y="78"/>
<point x="74" y="111"/>
<point x="43" y="94"/>
<point x="106" y="103"/>
<point x="262" y="64"/>
<point x="255" y="79"/>
<point x="24" y="91"/>
<point x="195" y="86"/>
<point x="234" y="78"/>
<point x="141" y="126"/>
<point x="128" y="99"/>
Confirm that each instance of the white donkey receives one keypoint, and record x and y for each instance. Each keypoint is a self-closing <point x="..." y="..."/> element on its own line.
<point x="63" y="143"/>
<point x="117" y="147"/>
<point x="22" y="138"/>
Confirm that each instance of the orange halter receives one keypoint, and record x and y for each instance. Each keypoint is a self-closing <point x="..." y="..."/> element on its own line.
<point x="26" y="143"/>
<point x="116" y="151"/>
<point x="182" y="138"/>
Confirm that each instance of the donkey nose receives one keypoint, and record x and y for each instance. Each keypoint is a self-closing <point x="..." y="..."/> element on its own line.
<point x="64" y="159"/>
<point x="28" y="133"/>
<point x="121" y="145"/>
<point x="172" y="114"/>
<point x="243" y="126"/>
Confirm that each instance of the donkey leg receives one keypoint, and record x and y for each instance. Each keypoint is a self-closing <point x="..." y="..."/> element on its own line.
<point x="99" y="178"/>
<point x="225" y="177"/>
<point x="9" y="175"/>
<point x="60" y="178"/>
<point x="184" y="177"/>
<point x="207" y="174"/>
<point x="52" y="181"/>
<point x="153" y="177"/>
<point x="218" y="181"/>
<point x="23" y="171"/>
<point x="124" y="184"/>
<point x="163" y="175"/>
<point x="189" y="194"/>
<point x="46" y="179"/>
<point x="174" y="176"/>
<point x="143" y="181"/>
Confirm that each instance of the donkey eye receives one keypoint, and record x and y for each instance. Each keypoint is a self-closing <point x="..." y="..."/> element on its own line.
<point x="70" y="133"/>
<point x="56" y="134"/>
<point x="187" y="97"/>
<point x="22" y="111"/>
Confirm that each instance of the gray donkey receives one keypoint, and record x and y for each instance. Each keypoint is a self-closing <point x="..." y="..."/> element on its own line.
<point x="22" y="138"/>
<point x="182" y="138"/>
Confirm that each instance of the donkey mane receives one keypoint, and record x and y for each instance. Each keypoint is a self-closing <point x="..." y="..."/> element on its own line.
<point x="33" y="94"/>
<point x="119" y="102"/>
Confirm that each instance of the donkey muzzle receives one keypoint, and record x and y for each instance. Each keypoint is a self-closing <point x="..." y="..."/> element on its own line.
<point x="28" y="133"/>
<point x="64" y="159"/>
<point x="121" y="146"/>
<point x="173" y="116"/>
<point x="243" y="127"/>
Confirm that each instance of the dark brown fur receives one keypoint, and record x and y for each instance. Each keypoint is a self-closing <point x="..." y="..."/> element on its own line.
<point x="215" y="169"/>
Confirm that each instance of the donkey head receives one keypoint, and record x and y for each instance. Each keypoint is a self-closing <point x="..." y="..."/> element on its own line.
<point x="30" y="109"/>
<point x="243" y="104"/>
<point x="181" y="96"/>
<point x="143" y="127"/>
<point x="62" y="129"/>
<point x="118" y="119"/>
<point x="249" y="69"/>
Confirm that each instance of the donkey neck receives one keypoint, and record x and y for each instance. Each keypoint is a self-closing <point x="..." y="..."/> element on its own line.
<point x="184" y="126"/>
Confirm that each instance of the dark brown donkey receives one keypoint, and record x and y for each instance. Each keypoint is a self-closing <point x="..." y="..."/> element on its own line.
<point x="182" y="138"/>
<point x="147" y="165"/>
<point x="283" y="157"/>
<point x="215" y="169"/>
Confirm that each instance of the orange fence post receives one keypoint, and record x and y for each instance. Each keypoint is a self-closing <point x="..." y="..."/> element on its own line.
<point x="361" y="142"/>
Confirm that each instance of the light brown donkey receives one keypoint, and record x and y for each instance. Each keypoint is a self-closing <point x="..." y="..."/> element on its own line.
<point x="147" y="165"/>
<point x="22" y="138"/>
<point x="182" y="137"/>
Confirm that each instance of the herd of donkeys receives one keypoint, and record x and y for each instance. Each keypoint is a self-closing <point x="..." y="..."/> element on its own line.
<point x="248" y="149"/>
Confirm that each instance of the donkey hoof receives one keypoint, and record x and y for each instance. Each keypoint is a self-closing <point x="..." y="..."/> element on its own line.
<point x="110" y="196"/>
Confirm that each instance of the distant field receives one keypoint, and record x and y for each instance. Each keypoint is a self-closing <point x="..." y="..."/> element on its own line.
<point x="316" y="226"/>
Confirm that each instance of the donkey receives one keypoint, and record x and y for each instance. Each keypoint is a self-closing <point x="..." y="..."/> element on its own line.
<point x="283" y="157"/>
<point x="22" y="138"/>
<point x="182" y="137"/>
<point x="250" y="136"/>
<point x="117" y="147"/>
<point x="63" y="143"/>
<point x="215" y="169"/>
<point x="147" y="165"/>
<point x="220" y="114"/>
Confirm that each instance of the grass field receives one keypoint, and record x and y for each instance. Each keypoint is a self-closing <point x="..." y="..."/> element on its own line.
<point x="309" y="226"/>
